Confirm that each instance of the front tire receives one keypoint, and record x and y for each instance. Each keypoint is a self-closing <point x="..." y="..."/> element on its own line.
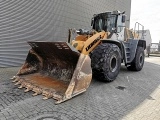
<point x="138" y="61"/>
<point x="106" y="62"/>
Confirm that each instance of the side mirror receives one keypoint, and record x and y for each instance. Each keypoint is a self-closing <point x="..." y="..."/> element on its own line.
<point x="123" y="18"/>
<point x="92" y="21"/>
<point x="114" y="30"/>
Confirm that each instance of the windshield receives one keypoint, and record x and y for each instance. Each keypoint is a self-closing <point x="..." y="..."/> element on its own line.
<point x="104" y="23"/>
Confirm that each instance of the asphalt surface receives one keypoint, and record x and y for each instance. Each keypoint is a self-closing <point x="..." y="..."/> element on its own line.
<point x="132" y="96"/>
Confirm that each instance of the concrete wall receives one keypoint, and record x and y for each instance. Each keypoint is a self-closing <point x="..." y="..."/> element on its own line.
<point x="45" y="20"/>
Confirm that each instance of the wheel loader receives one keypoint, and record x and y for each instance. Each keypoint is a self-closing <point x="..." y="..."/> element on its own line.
<point x="62" y="70"/>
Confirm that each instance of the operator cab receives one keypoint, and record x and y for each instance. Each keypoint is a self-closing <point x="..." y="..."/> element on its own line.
<point x="112" y="22"/>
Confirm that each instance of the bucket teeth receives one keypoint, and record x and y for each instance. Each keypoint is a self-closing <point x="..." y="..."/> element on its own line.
<point x="20" y="87"/>
<point x="35" y="94"/>
<point x="29" y="87"/>
<point x="19" y="82"/>
<point x="37" y="91"/>
<point x="27" y="90"/>
<point x="48" y="94"/>
<point x="14" y="77"/>
<point x="45" y="98"/>
<point x="14" y="81"/>
<point x="23" y="84"/>
<point x="58" y="97"/>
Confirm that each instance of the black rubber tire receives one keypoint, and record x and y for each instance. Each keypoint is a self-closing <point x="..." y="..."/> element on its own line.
<point x="138" y="61"/>
<point x="106" y="62"/>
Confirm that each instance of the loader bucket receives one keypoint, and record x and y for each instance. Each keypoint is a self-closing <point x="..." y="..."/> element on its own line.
<point x="55" y="70"/>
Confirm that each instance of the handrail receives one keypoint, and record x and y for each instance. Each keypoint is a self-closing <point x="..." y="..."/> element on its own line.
<point x="138" y="24"/>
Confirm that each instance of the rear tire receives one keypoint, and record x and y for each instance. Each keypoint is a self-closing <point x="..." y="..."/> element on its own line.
<point x="138" y="61"/>
<point x="106" y="62"/>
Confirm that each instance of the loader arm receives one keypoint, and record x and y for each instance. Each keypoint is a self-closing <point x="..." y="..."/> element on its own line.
<point x="85" y="44"/>
<point x="93" y="42"/>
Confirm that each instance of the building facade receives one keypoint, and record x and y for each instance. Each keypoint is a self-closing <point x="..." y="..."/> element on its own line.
<point x="146" y="36"/>
<point x="154" y="47"/>
<point x="45" y="20"/>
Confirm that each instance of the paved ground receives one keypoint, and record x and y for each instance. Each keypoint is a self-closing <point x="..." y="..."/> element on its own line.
<point x="151" y="59"/>
<point x="132" y="96"/>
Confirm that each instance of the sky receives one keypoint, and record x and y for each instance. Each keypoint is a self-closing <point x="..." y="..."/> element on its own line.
<point x="147" y="12"/>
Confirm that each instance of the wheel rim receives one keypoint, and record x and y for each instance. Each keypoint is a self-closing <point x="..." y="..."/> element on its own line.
<point x="113" y="64"/>
<point x="141" y="59"/>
